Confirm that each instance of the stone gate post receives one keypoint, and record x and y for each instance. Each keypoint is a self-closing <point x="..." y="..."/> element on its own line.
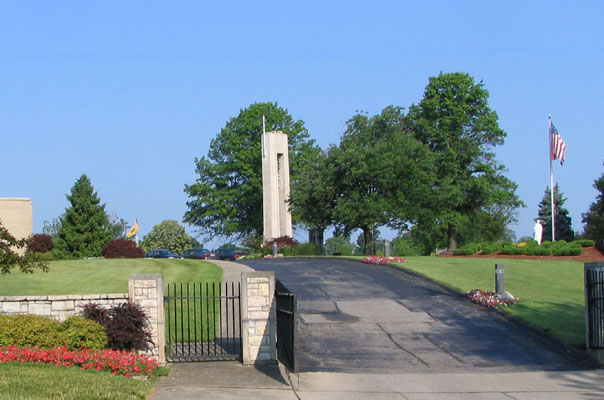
<point x="258" y="318"/>
<point x="148" y="292"/>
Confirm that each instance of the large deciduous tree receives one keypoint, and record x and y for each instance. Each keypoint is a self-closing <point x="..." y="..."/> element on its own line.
<point x="594" y="217"/>
<point x="169" y="234"/>
<point x="226" y="198"/>
<point x="379" y="173"/>
<point x="83" y="228"/>
<point x="562" y="221"/>
<point x="456" y="122"/>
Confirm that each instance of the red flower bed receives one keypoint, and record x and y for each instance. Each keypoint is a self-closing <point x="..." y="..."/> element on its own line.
<point x="382" y="260"/>
<point x="115" y="361"/>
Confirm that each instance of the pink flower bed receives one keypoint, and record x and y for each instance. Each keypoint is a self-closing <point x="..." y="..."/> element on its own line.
<point x="115" y="361"/>
<point x="382" y="260"/>
<point x="489" y="299"/>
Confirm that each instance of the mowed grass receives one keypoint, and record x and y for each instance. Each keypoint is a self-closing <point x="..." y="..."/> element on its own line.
<point x="551" y="293"/>
<point x="31" y="381"/>
<point x="104" y="276"/>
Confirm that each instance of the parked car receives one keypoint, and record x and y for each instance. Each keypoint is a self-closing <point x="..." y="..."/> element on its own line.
<point x="161" y="253"/>
<point x="199" y="254"/>
<point x="227" y="254"/>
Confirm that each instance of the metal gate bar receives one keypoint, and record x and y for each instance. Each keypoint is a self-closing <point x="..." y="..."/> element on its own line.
<point x="287" y="326"/>
<point x="202" y="324"/>
<point x="594" y="304"/>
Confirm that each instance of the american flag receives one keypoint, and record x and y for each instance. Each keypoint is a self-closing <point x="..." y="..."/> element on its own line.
<point x="558" y="147"/>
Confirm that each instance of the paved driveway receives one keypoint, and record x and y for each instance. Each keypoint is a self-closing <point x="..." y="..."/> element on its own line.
<point x="376" y="319"/>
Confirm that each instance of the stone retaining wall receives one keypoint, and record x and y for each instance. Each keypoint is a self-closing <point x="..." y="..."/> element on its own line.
<point x="60" y="307"/>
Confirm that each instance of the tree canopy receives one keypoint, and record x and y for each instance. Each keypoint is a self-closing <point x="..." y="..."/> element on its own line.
<point x="226" y="198"/>
<point x="378" y="174"/>
<point x="562" y="220"/>
<point x="170" y="235"/>
<point x="594" y="217"/>
<point x="456" y="122"/>
<point x="10" y="258"/>
<point x="83" y="228"/>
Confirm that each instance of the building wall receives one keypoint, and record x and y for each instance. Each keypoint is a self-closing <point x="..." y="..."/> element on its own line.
<point x="16" y="216"/>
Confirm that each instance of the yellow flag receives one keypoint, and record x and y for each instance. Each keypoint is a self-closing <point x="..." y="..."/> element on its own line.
<point x="134" y="229"/>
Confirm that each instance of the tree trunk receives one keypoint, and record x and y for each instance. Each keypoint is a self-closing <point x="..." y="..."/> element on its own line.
<point x="368" y="234"/>
<point x="452" y="233"/>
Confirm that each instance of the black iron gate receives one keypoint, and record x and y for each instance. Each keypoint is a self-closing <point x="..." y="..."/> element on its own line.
<point x="594" y="305"/>
<point x="287" y="325"/>
<point x="202" y="321"/>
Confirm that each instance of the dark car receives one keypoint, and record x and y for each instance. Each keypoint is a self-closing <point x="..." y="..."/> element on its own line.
<point x="161" y="253"/>
<point x="227" y="254"/>
<point x="199" y="254"/>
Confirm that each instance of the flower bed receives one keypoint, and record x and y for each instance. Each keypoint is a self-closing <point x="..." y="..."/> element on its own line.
<point x="382" y="260"/>
<point x="490" y="299"/>
<point x="117" y="362"/>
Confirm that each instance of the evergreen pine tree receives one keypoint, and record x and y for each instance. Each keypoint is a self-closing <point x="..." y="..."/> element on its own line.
<point x="83" y="231"/>
<point x="562" y="221"/>
<point x="594" y="218"/>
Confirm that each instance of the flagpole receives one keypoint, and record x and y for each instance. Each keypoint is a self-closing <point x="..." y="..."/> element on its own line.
<point x="551" y="176"/>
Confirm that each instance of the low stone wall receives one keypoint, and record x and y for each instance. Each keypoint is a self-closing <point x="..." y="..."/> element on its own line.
<point x="60" y="307"/>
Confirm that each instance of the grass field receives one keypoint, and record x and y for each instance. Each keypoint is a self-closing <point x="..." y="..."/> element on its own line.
<point x="31" y="381"/>
<point x="104" y="276"/>
<point x="551" y="293"/>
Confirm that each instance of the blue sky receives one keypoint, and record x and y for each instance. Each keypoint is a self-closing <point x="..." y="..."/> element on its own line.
<point x="131" y="92"/>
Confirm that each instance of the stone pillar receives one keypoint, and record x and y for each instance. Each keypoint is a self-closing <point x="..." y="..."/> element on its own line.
<point x="258" y="318"/>
<point x="148" y="292"/>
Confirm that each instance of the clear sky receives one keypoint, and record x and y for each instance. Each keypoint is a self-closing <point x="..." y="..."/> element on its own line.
<point x="131" y="92"/>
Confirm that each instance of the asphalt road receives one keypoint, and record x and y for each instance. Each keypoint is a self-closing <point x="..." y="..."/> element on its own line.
<point x="376" y="319"/>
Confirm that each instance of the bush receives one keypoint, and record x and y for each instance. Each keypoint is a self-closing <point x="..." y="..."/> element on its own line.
<point x="47" y="333"/>
<point x="83" y="333"/>
<point x="584" y="242"/>
<point x="122" y="248"/>
<point x="403" y="247"/>
<point x="39" y="243"/>
<point x="464" y="251"/>
<point x="540" y="251"/>
<point x="511" y="250"/>
<point x="125" y="324"/>
<point x="307" y="249"/>
<point x="45" y="257"/>
<point x="283" y="241"/>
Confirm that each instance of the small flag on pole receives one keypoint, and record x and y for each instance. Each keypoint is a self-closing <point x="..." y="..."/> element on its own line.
<point x="558" y="146"/>
<point x="134" y="229"/>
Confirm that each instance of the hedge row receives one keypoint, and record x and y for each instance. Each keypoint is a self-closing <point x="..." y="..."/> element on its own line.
<point x="47" y="333"/>
<point x="547" y="248"/>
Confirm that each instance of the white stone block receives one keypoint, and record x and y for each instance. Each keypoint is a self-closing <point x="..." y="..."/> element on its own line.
<point x="145" y="283"/>
<point x="11" y="307"/>
<point x="39" y="308"/>
<point x="63" y="305"/>
<point x="262" y="315"/>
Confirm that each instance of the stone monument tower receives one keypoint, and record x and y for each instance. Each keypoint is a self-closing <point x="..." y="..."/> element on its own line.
<point x="275" y="186"/>
<point x="16" y="217"/>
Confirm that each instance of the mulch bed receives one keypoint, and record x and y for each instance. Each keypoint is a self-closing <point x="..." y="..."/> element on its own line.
<point x="589" y="254"/>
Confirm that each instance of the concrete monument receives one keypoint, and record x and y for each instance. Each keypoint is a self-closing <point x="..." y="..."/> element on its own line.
<point x="16" y="217"/>
<point x="275" y="186"/>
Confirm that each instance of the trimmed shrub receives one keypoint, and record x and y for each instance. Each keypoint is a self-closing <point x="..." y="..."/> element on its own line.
<point x="47" y="333"/>
<point x="511" y="250"/>
<point x="30" y="331"/>
<point x="125" y="324"/>
<point x="44" y="257"/>
<point x="83" y="333"/>
<point x="122" y="248"/>
<point x="584" y="242"/>
<point x="39" y="243"/>
<point x="307" y="249"/>
<point x="283" y="241"/>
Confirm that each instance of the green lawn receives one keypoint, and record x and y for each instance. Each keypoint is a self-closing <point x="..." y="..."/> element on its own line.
<point x="104" y="276"/>
<point x="551" y="293"/>
<point x="31" y="381"/>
